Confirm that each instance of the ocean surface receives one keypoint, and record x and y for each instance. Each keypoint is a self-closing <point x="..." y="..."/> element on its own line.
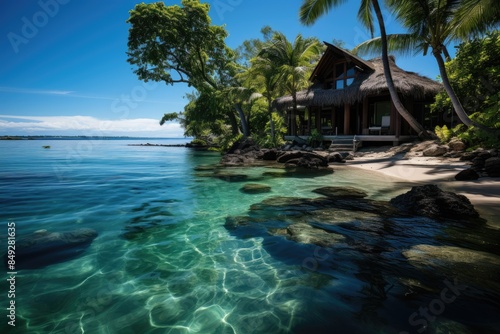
<point x="166" y="260"/>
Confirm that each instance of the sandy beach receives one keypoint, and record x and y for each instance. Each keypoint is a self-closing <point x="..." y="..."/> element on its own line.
<point x="411" y="166"/>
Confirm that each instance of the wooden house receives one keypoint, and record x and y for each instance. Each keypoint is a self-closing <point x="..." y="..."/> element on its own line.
<point x="349" y="96"/>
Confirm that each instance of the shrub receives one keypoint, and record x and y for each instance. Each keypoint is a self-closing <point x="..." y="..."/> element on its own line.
<point x="444" y="134"/>
<point x="316" y="138"/>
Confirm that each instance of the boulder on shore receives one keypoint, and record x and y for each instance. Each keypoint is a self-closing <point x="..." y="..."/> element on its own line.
<point x="430" y="201"/>
<point x="492" y="166"/>
<point x="335" y="157"/>
<point x="270" y="155"/>
<point x="456" y="145"/>
<point x="435" y="150"/>
<point x="310" y="160"/>
<point x="467" y="175"/>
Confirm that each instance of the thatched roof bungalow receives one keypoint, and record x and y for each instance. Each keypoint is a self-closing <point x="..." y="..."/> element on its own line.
<point x="349" y="96"/>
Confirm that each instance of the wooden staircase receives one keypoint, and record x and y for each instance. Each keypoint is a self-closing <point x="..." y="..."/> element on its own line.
<point x="344" y="144"/>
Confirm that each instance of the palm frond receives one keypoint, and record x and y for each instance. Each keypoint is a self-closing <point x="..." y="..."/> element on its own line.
<point x="365" y="15"/>
<point x="402" y="44"/>
<point x="311" y="10"/>
<point x="474" y="17"/>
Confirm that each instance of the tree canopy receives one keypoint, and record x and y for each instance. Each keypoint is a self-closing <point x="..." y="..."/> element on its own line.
<point x="178" y="44"/>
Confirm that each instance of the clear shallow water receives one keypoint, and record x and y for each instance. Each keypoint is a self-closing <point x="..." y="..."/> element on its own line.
<point x="165" y="263"/>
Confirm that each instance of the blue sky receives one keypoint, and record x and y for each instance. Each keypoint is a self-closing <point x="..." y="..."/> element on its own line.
<point x="63" y="67"/>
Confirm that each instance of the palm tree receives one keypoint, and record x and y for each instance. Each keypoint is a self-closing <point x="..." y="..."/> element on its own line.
<point x="266" y="78"/>
<point x="431" y="24"/>
<point x="294" y="61"/>
<point x="312" y="9"/>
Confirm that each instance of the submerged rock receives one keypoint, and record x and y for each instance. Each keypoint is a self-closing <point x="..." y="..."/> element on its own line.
<point x="230" y="177"/>
<point x="345" y="192"/>
<point x="246" y="159"/>
<point x="470" y="265"/>
<point x="306" y="172"/>
<point x="202" y="168"/>
<point x="43" y="248"/>
<point x="430" y="201"/>
<point x="307" y="234"/>
<point x="255" y="188"/>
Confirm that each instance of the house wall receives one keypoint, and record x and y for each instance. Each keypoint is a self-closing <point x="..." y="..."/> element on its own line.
<point x="354" y="119"/>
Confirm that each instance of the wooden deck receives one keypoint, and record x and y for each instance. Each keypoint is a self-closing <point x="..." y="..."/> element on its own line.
<point x="370" y="138"/>
<point x="354" y="142"/>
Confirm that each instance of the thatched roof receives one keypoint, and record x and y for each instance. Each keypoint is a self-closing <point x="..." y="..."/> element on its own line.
<point x="368" y="83"/>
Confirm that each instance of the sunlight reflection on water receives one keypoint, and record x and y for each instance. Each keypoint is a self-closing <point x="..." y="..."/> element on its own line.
<point x="165" y="263"/>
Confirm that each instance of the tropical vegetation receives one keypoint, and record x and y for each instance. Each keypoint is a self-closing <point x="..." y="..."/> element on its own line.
<point x="474" y="74"/>
<point x="233" y="90"/>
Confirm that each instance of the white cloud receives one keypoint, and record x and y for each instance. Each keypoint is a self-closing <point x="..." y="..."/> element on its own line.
<point x="34" y="91"/>
<point x="87" y="126"/>
<point x="124" y="98"/>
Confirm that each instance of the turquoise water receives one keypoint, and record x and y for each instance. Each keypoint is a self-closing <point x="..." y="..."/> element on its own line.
<point x="164" y="261"/>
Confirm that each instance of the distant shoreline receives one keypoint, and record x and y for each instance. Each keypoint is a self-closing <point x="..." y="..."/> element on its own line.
<point x="88" y="138"/>
<point x="188" y="145"/>
<point x="162" y="145"/>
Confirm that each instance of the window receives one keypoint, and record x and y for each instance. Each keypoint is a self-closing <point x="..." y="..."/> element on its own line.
<point x="345" y="73"/>
<point x="381" y="109"/>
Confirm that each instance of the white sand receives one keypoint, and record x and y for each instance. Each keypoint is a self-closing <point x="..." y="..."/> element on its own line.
<point x="413" y="167"/>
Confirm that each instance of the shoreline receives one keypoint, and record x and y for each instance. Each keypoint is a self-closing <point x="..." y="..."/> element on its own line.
<point x="483" y="193"/>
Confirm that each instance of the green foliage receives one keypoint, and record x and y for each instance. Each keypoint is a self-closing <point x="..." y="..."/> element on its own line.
<point x="225" y="142"/>
<point x="316" y="138"/>
<point x="474" y="17"/>
<point x="177" y="44"/>
<point x="311" y="10"/>
<point x="198" y="142"/>
<point x="264" y="138"/>
<point x="294" y="60"/>
<point x="475" y="137"/>
<point x="444" y="134"/>
<point x="169" y="117"/>
<point x="475" y="77"/>
<point x="233" y="91"/>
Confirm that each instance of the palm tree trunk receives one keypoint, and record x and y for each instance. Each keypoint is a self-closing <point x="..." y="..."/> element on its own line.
<point x="243" y="119"/>
<point x="414" y="124"/>
<point x="234" y="123"/>
<point x="446" y="53"/>
<point x="271" y="122"/>
<point x="294" y="115"/>
<point x="459" y="110"/>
